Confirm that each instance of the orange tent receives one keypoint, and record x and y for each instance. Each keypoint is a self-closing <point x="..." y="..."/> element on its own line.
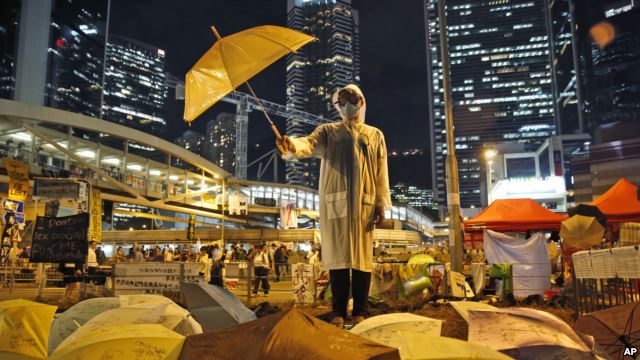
<point x="514" y="215"/>
<point x="620" y="203"/>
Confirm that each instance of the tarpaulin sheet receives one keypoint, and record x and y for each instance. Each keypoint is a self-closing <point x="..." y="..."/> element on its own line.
<point x="529" y="259"/>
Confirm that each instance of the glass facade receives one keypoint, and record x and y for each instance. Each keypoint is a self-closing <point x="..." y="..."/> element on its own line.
<point x="76" y="56"/>
<point x="319" y="68"/>
<point x="610" y="76"/>
<point x="9" y="20"/>
<point x="135" y="85"/>
<point x="417" y="197"/>
<point x="500" y="80"/>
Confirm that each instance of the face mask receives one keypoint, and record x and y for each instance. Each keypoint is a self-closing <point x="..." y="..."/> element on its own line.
<point x="349" y="110"/>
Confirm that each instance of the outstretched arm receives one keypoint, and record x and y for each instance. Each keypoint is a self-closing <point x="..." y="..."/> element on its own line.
<point x="307" y="146"/>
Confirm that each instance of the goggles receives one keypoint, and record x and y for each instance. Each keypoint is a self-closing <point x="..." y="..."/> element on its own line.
<point x="347" y="95"/>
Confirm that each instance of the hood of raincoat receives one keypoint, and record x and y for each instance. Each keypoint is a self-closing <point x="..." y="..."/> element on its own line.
<point x="363" y="108"/>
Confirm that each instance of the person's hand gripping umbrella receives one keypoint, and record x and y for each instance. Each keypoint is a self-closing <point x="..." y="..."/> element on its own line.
<point x="232" y="61"/>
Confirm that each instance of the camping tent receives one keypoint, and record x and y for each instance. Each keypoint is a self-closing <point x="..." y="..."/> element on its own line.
<point x="514" y="215"/>
<point x="620" y="203"/>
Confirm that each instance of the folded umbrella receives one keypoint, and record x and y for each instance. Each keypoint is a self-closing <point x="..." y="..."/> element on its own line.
<point x="581" y="232"/>
<point x="24" y="329"/>
<point x="614" y="329"/>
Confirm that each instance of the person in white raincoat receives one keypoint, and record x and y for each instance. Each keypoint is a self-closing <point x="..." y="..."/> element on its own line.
<point x="354" y="192"/>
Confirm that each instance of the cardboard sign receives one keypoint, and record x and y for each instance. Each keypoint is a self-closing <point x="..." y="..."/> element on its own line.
<point x="60" y="239"/>
<point x="95" y="229"/>
<point x="18" y="179"/>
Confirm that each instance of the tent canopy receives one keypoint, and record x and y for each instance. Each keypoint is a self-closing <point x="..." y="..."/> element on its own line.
<point x="514" y="215"/>
<point x="620" y="203"/>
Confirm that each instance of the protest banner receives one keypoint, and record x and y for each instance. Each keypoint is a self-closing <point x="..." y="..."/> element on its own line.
<point x="60" y="239"/>
<point x="18" y="179"/>
<point x="95" y="228"/>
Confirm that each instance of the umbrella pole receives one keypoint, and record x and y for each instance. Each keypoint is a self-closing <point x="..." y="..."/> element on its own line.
<point x="273" y="126"/>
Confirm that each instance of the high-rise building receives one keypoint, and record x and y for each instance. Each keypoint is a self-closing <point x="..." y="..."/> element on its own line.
<point x="9" y="20"/>
<point x="220" y="141"/>
<point x="500" y="82"/>
<point x="610" y="76"/>
<point x="415" y="196"/>
<point x="319" y="68"/>
<point x="567" y="93"/>
<point x="76" y="56"/>
<point x="135" y="89"/>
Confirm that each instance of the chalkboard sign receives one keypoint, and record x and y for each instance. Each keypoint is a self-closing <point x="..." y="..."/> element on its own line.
<point x="57" y="239"/>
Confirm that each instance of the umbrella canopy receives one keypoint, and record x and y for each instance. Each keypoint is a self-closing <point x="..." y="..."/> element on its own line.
<point x="526" y="333"/>
<point x="582" y="232"/>
<point x="123" y="342"/>
<point x="144" y="299"/>
<point x="620" y="203"/>
<point x="378" y="327"/>
<point x="514" y="215"/>
<point x="214" y="307"/>
<point x="414" y="346"/>
<point x="67" y="322"/>
<point x="235" y="59"/>
<point x="24" y="329"/>
<point x="589" y="210"/>
<point x="463" y="307"/>
<point x="289" y="334"/>
<point x="613" y="329"/>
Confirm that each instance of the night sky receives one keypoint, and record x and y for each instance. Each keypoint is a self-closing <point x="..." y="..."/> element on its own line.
<point x="393" y="60"/>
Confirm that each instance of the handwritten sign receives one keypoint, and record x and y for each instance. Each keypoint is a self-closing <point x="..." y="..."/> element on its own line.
<point x="18" y="179"/>
<point x="60" y="239"/>
<point x="303" y="283"/>
<point x="153" y="278"/>
<point x="95" y="228"/>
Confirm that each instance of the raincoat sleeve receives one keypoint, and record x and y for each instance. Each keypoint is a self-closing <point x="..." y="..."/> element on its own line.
<point x="383" y="195"/>
<point x="308" y="146"/>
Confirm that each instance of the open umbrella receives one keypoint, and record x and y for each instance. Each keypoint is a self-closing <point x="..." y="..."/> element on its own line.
<point x="24" y="329"/>
<point x="613" y="329"/>
<point x="285" y="335"/>
<point x="527" y="333"/>
<point x="581" y="232"/>
<point x="69" y="321"/>
<point x="234" y="60"/>
<point x="414" y="346"/>
<point x="589" y="210"/>
<point x="214" y="307"/>
<point x="379" y="327"/>
<point x="123" y="342"/>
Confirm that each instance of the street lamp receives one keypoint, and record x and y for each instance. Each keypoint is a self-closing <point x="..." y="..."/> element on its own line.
<point x="489" y="154"/>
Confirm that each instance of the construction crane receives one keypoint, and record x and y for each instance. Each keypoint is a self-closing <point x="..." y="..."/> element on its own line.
<point x="246" y="103"/>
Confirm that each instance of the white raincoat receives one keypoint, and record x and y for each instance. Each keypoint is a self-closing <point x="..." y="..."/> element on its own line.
<point x="353" y="180"/>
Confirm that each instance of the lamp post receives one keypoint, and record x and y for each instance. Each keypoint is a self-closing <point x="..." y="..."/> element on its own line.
<point x="489" y="154"/>
<point x="453" y="192"/>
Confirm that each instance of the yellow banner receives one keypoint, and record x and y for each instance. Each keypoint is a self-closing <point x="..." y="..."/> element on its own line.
<point x="18" y="179"/>
<point x="95" y="224"/>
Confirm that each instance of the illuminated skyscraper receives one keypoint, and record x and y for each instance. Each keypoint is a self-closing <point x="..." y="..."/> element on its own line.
<point x="9" y="20"/>
<point x="135" y="85"/>
<point x="500" y="79"/>
<point x="220" y="142"/>
<point x="319" y="68"/>
<point x="76" y="56"/>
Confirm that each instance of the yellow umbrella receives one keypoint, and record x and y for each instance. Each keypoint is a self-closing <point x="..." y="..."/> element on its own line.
<point x="463" y="307"/>
<point x="24" y="329"/>
<point x="581" y="232"/>
<point x="233" y="60"/>
<point x="123" y="342"/>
